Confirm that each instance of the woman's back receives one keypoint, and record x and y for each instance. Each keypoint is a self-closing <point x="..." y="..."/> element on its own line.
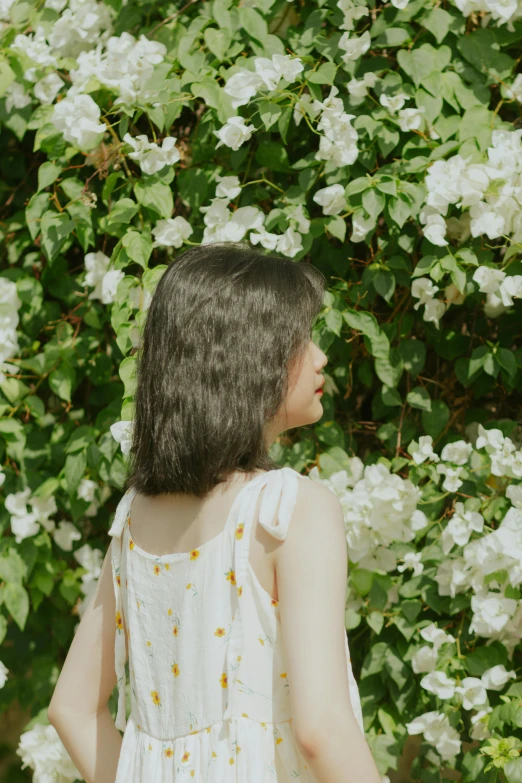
<point x="210" y="692"/>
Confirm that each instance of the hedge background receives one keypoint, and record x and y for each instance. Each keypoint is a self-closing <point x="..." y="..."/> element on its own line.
<point x="381" y="142"/>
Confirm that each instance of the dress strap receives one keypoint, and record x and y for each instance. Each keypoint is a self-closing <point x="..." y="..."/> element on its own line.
<point x="116" y="530"/>
<point x="280" y="485"/>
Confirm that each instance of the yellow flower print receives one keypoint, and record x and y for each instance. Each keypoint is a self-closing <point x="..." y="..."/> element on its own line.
<point x="128" y="520"/>
<point x="224" y="680"/>
<point x="131" y="543"/>
<point x="261" y="641"/>
<point x="175" y="670"/>
<point x="118" y="581"/>
<point x="185" y="757"/>
<point x="240" y="529"/>
<point x="244" y="715"/>
<point x="231" y="576"/>
<point x="167" y="567"/>
<point x="274" y="602"/>
<point x="157" y="569"/>
<point x="214" y="754"/>
<point x="119" y="622"/>
<point x="155" y="697"/>
<point x="283" y="675"/>
<point x="219" y="632"/>
<point x="169" y="612"/>
<point x="189" y="586"/>
<point x="194" y="554"/>
<point x="278" y="740"/>
<point x="175" y="630"/>
<point x="240" y="590"/>
<point x="192" y="773"/>
<point x="169" y="752"/>
<point x="231" y="761"/>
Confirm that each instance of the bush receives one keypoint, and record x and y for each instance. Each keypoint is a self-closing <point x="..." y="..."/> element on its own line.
<point x="381" y="143"/>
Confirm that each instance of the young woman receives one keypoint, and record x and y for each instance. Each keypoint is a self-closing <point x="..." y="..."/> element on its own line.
<point x="226" y="573"/>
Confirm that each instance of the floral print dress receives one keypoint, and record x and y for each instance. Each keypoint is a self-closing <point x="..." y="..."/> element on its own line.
<point x="209" y="689"/>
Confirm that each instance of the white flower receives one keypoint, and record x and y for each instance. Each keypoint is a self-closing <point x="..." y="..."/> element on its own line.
<point x="514" y="493"/>
<point x="440" y="684"/>
<point x="436" y="636"/>
<point x="480" y="729"/>
<point x="289" y="243"/>
<point x="434" y="310"/>
<point x="411" y="119"/>
<point x="412" y="560"/>
<point x="264" y="238"/>
<point x="84" y="24"/>
<point x="16" y="97"/>
<point x="244" y="84"/>
<point x="65" y="535"/>
<point x="295" y="214"/>
<point x="351" y="13"/>
<point x="491" y="613"/>
<point x="304" y="105"/>
<point x="47" y="89"/>
<point x="497" y="677"/>
<point x="488" y="279"/>
<point x="473" y="693"/>
<point x="35" y="47"/>
<point x="42" y="750"/>
<point x="227" y="187"/>
<point x="87" y="490"/>
<point x="437" y="730"/>
<point x="3" y="674"/>
<point x="435" y="230"/>
<point x="24" y="524"/>
<point x="151" y="156"/>
<point x="514" y="92"/>
<point x="78" y="119"/>
<point x="354" y="47"/>
<point x="171" y="232"/>
<point x="121" y="431"/>
<point x="234" y="133"/>
<point x="361" y="225"/>
<point x="457" y="452"/>
<point x="423" y="289"/>
<point x="422" y="450"/>
<point x="331" y="199"/>
<point x="358" y="88"/>
<point x="424" y="660"/>
<point x="510" y="288"/>
<point x="452" y="480"/>
<point x="109" y="285"/>
<point x="393" y="102"/>
<point x="459" y="528"/>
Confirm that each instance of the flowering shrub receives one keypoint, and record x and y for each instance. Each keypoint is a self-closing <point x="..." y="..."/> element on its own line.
<point x="381" y="142"/>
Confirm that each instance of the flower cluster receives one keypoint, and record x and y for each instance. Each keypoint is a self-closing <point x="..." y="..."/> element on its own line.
<point x="10" y="304"/>
<point x="42" y="750"/>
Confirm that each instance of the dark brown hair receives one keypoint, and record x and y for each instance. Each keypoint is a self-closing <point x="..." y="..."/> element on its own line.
<point x="226" y="323"/>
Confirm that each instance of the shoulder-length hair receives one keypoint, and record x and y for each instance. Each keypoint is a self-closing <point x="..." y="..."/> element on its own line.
<point x="225" y="325"/>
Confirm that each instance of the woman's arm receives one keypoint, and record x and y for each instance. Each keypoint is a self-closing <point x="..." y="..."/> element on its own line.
<point x="311" y="573"/>
<point x="79" y="707"/>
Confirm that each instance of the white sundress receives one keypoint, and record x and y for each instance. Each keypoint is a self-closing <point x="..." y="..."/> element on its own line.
<point x="209" y="689"/>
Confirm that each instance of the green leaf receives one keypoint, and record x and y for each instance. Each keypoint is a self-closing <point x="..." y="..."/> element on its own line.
<point x="47" y="174"/>
<point x="481" y="49"/>
<point x="36" y="207"/>
<point x="507" y="361"/>
<point x="376" y="621"/>
<point x="75" y="465"/>
<point x="399" y="210"/>
<point x="273" y="155"/>
<point x="362" y="580"/>
<point x="422" y="61"/>
<point x="218" y="41"/>
<point x="419" y="398"/>
<point x="392" y="36"/>
<point x="155" y="196"/>
<point x="485" y="658"/>
<point x="411" y="609"/>
<point x="373" y="202"/>
<point x="123" y="211"/>
<point x="357" y="186"/>
<point x="513" y="771"/>
<point x="7" y="76"/>
<point x="55" y="228"/>
<point x="367" y="324"/>
<point x="413" y="353"/>
<point x="388" y="369"/>
<point x="269" y="113"/>
<point x="336" y="227"/>
<point x="253" y="23"/>
<point x="16" y="600"/>
<point x="391" y="396"/>
<point x="387" y="140"/>
<point x="12" y="567"/>
<point x="386" y="185"/>
<point x="137" y="246"/>
<point x="62" y="380"/>
<point x="283" y="123"/>
<point x="384" y="284"/>
<point x="437" y="22"/>
<point x="434" y="421"/>
<point x="325" y="74"/>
